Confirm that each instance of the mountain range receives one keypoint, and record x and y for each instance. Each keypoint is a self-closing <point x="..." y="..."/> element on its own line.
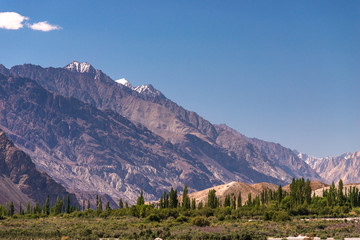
<point x="94" y="135"/>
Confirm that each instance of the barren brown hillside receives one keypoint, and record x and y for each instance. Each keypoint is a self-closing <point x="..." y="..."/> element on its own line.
<point x="264" y="186"/>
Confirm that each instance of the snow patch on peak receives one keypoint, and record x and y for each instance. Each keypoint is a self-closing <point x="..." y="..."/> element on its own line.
<point x="310" y="160"/>
<point x="124" y="82"/>
<point x="83" y="67"/>
<point x="148" y="90"/>
<point x="145" y="91"/>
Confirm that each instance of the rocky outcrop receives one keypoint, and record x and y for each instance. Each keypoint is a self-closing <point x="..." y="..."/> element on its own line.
<point x="21" y="181"/>
<point x="345" y="167"/>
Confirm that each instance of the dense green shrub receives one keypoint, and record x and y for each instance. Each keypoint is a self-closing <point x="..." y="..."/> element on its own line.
<point x="280" y="216"/>
<point x="153" y="218"/>
<point x="200" y="221"/>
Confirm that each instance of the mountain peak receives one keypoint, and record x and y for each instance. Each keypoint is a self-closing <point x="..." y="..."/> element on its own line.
<point x="83" y="67"/>
<point x="124" y="82"/>
<point x="148" y="90"/>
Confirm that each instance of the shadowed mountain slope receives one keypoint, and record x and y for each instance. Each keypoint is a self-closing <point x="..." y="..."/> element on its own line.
<point x="21" y="181"/>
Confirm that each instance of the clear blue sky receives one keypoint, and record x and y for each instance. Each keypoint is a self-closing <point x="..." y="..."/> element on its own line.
<point x="283" y="71"/>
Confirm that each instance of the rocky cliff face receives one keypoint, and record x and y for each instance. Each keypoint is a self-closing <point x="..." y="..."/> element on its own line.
<point x="269" y="158"/>
<point x="345" y="167"/>
<point x="21" y="181"/>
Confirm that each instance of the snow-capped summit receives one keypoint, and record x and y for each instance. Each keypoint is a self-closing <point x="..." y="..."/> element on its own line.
<point x="310" y="160"/>
<point x="124" y="82"/>
<point x="148" y="90"/>
<point x="144" y="90"/>
<point x="83" y="67"/>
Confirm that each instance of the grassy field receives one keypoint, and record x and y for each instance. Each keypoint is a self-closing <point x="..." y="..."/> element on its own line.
<point x="126" y="227"/>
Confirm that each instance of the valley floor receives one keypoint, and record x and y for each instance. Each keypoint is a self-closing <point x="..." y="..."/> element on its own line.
<point x="126" y="227"/>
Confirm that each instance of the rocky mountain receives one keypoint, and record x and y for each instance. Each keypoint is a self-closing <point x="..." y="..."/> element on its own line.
<point x="21" y="181"/>
<point x="269" y="158"/>
<point x="145" y="105"/>
<point x="93" y="134"/>
<point x="91" y="150"/>
<point x="345" y="167"/>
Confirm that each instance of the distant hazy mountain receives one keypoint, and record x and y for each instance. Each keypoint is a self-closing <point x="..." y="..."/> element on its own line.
<point x="21" y="181"/>
<point x="128" y="138"/>
<point x="345" y="167"/>
<point x="269" y="158"/>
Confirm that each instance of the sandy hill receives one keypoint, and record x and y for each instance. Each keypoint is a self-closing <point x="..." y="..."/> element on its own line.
<point x="228" y="189"/>
<point x="315" y="185"/>
<point x="264" y="186"/>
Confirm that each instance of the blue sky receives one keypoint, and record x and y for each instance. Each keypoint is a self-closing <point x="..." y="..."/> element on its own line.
<point x="282" y="71"/>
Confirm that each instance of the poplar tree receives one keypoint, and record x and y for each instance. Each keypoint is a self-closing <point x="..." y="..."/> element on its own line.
<point x="121" y="205"/>
<point x="140" y="200"/>
<point x="173" y="201"/>
<point x="100" y="208"/>
<point x="239" y="202"/>
<point x="340" y="195"/>
<point x="47" y="206"/>
<point x="213" y="202"/>
<point x="307" y="192"/>
<point x="193" y="204"/>
<point x="21" y="211"/>
<point x="28" y="208"/>
<point x="185" y="199"/>
<point x="68" y="204"/>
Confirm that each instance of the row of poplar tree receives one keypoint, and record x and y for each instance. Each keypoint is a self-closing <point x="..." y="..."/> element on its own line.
<point x="300" y="194"/>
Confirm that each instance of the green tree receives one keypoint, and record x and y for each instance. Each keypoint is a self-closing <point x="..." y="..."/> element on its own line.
<point x="193" y="204"/>
<point x="28" y="208"/>
<point x="68" y="204"/>
<point x="249" y="201"/>
<point x="227" y="201"/>
<point x="58" y="206"/>
<point x="279" y="194"/>
<point x="233" y="202"/>
<point x="340" y="195"/>
<point x="213" y="201"/>
<point x="88" y="203"/>
<point x="173" y="202"/>
<point x="239" y="201"/>
<point x="21" y="210"/>
<point x="140" y="200"/>
<point x="100" y="208"/>
<point x="11" y="209"/>
<point x="121" y="205"/>
<point x="47" y="206"/>
<point x="307" y="192"/>
<point x="185" y="199"/>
